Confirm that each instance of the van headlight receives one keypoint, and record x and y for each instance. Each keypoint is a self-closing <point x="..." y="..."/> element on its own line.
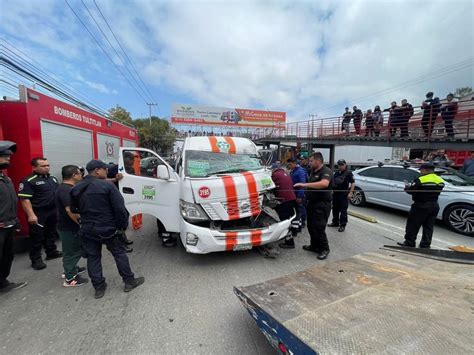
<point x="192" y="211"/>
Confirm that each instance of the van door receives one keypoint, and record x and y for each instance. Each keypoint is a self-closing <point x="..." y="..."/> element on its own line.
<point x="150" y="186"/>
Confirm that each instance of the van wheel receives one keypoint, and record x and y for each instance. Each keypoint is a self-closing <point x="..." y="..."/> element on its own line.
<point x="358" y="198"/>
<point x="460" y="219"/>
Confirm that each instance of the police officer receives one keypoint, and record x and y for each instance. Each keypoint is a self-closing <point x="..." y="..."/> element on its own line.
<point x="103" y="219"/>
<point x="318" y="208"/>
<point x="37" y="194"/>
<point x="8" y="219"/>
<point x="424" y="191"/>
<point x="343" y="184"/>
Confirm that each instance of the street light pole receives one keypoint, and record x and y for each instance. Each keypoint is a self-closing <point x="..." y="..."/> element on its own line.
<point x="150" y="105"/>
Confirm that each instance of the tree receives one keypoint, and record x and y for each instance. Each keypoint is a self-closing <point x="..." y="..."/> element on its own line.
<point x="461" y="92"/>
<point x="158" y="136"/>
<point x="120" y="114"/>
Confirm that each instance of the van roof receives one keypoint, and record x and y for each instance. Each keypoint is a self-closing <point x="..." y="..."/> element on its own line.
<point x="231" y="145"/>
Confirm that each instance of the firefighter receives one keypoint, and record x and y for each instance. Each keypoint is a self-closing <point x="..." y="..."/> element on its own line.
<point x="8" y="219"/>
<point x="37" y="194"/>
<point x="424" y="191"/>
<point x="318" y="207"/>
<point x="103" y="220"/>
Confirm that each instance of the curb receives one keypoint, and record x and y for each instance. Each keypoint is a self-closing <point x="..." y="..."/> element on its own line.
<point x="362" y="216"/>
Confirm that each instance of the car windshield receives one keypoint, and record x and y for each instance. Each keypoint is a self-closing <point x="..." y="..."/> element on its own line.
<point x="203" y="164"/>
<point x="455" y="178"/>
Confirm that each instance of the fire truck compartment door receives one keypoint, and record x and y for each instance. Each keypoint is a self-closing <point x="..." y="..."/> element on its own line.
<point x="145" y="191"/>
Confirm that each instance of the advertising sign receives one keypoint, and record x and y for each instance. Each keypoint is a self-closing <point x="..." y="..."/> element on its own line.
<point x="219" y="116"/>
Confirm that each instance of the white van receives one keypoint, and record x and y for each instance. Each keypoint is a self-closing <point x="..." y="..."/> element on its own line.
<point x="218" y="199"/>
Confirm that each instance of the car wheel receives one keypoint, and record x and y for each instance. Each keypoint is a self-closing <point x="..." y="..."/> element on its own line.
<point x="358" y="198"/>
<point x="460" y="218"/>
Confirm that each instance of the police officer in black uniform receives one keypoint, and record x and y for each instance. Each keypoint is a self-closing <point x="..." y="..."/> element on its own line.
<point x="37" y="194"/>
<point x="318" y="208"/>
<point x="424" y="191"/>
<point x="8" y="219"/>
<point x="103" y="220"/>
<point x="343" y="184"/>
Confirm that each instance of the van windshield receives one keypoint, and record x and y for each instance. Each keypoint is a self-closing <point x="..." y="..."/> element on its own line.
<point x="204" y="164"/>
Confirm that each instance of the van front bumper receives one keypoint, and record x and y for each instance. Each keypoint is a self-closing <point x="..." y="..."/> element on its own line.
<point x="210" y="240"/>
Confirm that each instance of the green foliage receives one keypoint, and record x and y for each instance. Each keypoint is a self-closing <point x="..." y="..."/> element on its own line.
<point x="158" y="136"/>
<point x="461" y="92"/>
<point x="120" y="114"/>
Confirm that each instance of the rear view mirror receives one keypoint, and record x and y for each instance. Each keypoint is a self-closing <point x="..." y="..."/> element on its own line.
<point x="162" y="172"/>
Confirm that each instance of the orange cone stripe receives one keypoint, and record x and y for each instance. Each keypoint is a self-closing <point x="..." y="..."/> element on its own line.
<point x="231" y="195"/>
<point x="256" y="238"/>
<point x="253" y="193"/>
<point x="214" y="147"/>
<point x="230" y="141"/>
<point x="230" y="240"/>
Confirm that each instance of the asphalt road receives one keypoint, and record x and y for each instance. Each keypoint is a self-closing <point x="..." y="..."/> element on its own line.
<point x="186" y="304"/>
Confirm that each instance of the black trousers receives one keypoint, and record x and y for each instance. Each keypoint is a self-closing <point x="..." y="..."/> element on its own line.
<point x="318" y="215"/>
<point x="92" y="250"/>
<point x="7" y="237"/>
<point x="428" y="125"/>
<point x="448" y="126"/>
<point x="421" y="215"/>
<point x="286" y="210"/>
<point x="340" y="203"/>
<point x="404" y="127"/>
<point x="45" y="236"/>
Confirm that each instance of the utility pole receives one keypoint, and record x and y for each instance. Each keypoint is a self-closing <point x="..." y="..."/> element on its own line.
<point x="150" y="105"/>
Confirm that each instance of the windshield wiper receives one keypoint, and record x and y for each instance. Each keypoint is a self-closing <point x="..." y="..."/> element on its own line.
<point x="226" y="172"/>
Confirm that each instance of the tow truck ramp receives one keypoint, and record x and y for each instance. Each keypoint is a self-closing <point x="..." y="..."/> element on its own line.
<point x="389" y="301"/>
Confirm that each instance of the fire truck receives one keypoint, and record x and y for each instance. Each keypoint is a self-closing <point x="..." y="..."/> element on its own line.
<point x="43" y="126"/>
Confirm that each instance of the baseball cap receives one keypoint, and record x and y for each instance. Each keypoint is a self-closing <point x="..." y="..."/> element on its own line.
<point x="341" y="162"/>
<point x="427" y="166"/>
<point x="7" y="148"/>
<point x="96" y="164"/>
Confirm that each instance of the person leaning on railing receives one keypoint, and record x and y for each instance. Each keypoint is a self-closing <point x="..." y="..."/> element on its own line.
<point x="448" y="112"/>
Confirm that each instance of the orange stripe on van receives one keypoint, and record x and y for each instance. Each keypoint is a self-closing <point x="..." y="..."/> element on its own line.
<point x="231" y="195"/>
<point x="253" y="193"/>
<point x="230" y="141"/>
<point x="230" y="240"/>
<point x="214" y="147"/>
<point x="256" y="238"/>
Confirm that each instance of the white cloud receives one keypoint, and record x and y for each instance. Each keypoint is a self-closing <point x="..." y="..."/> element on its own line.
<point x="96" y="86"/>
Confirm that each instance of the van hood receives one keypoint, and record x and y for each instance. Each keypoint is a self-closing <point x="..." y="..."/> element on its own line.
<point x="232" y="196"/>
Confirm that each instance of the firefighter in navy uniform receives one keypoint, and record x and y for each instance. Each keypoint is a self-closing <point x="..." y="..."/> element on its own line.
<point x="37" y="194"/>
<point x="318" y="207"/>
<point x="425" y="191"/>
<point x="8" y="219"/>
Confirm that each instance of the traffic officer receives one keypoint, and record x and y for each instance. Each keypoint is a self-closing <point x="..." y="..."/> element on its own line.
<point x="103" y="220"/>
<point x="343" y="184"/>
<point x="8" y="219"/>
<point x="424" y="191"/>
<point x="37" y="194"/>
<point x="318" y="207"/>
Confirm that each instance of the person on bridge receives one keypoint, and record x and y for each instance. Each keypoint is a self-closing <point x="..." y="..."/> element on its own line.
<point x="343" y="184"/>
<point x="346" y="121"/>
<point x="9" y="222"/>
<point x="431" y="107"/>
<point x="406" y="114"/>
<point x="299" y="175"/>
<point x="394" y="119"/>
<point x="448" y="114"/>
<point x="318" y="207"/>
<point x="378" y="120"/>
<point x="369" y="124"/>
<point x="425" y="191"/>
<point x="357" y="118"/>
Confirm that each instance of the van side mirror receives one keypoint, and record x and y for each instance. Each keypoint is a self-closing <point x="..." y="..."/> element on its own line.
<point x="162" y="172"/>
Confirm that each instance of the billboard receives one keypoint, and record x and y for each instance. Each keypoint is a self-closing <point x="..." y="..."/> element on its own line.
<point x="219" y="116"/>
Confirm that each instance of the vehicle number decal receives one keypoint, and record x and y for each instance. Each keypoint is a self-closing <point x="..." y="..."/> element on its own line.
<point x="149" y="193"/>
<point x="266" y="183"/>
<point x="204" y="192"/>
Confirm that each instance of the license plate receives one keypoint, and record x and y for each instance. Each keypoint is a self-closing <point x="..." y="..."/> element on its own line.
<point x="244" y="246"/>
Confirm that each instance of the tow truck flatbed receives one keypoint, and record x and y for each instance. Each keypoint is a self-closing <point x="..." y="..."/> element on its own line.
<point x="383" y="302"/>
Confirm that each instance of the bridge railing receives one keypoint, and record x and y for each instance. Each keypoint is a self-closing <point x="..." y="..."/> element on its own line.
<point x="422" y="125"/>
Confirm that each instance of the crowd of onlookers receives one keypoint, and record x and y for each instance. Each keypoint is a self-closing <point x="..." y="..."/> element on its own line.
<point x="399" y="117"/>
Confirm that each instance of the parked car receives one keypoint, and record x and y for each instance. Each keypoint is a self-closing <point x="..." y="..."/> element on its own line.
<point x="384" y="184"/>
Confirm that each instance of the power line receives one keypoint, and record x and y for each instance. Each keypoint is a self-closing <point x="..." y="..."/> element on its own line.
<point x="123" y="51"/>
<point x="113" y="48"/>
<point x="104" y="51"/>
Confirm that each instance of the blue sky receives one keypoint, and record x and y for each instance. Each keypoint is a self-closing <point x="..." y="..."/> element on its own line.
<point x="300" y="57"/>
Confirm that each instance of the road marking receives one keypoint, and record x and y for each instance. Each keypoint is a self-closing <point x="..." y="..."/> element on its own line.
<point x="403" y="229"/>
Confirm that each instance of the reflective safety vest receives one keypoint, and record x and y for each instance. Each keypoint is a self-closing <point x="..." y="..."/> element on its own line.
<point x="426" y="188"/>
